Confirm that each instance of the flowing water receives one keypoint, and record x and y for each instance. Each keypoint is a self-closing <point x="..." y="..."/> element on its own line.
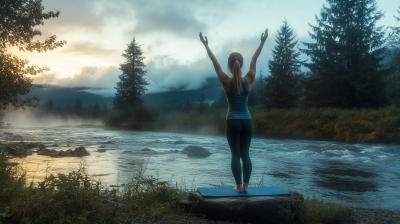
<point x="358" y="173"/>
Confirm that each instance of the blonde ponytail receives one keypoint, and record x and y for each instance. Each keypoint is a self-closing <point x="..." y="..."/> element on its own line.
<point x="235" y="63"/>
<point x="237" y="77"/>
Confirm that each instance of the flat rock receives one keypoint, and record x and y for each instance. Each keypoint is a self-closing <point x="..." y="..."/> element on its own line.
<point x="253" y="209"/>
<point x="196" y="151"/>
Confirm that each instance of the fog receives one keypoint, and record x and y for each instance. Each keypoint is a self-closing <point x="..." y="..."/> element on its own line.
<point x="32" y="117"/>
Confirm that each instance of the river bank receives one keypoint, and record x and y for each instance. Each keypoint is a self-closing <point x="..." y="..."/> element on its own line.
<point x="322" y="124"/>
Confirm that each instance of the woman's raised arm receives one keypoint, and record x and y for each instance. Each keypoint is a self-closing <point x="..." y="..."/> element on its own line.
<point x="223" y="78"/>
<point x="251" y="75"/>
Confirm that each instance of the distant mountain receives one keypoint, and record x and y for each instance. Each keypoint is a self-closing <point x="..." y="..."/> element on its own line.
<point x="62" y="96"/>
<point x="211" y="92"/>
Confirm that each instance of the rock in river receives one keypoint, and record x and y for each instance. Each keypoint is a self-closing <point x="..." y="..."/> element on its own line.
<point x="80" y="151"/>
<point x="179" y="142"/>
<point x="196" y="151"/>
<point x="146" y="149"/>
<point x="101" y="150"/>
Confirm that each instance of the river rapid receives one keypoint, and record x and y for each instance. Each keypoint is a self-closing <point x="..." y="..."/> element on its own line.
<point x="354" y="173"/>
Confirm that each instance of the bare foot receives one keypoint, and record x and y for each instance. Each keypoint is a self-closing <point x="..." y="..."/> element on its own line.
<point x="245" y="187"/>
<point x="238" y="188"/>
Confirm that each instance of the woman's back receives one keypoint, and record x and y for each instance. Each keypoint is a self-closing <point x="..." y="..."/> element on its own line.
<point x="237" y="104"/>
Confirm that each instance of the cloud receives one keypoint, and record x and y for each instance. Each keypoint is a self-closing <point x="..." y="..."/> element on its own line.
<point x="90" y="76"/>
<point x="87" y="48"/>
<point x="75" y="14"/>
<point x="162" y="16"/>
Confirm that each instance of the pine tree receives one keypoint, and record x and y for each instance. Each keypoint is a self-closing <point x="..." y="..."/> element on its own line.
<point x="49" y="105"/>
<point x="221" y="102"/>
<point x="393" y="81"/>
<point x="96" y="111"/>
<point x="188" y="107"/>
<point x="394" y="37"/>
<point x="345" y="69"/>
<point x="78" y="107"/>
<point x="131" y="86"/>
<point x="202" y="104"/>
<point x="104" y="110"/>
<point x="282" y="88"/>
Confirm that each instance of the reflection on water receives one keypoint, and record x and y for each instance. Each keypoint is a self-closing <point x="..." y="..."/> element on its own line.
<point x="369" y="172"/>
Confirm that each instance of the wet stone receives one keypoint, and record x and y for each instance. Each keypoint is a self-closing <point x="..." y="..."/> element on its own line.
<point x="196" y="151"/>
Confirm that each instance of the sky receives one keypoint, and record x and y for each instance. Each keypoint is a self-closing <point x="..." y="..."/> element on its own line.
<point x="98" y="31"/>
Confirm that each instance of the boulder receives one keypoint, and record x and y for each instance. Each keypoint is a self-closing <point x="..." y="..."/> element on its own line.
<point x="41" y="146"/>
<point x="101" y="150"/>
<point x="254" y="209"/>
<point x="44" y="152"/>
<point x="80" y="151"/>
<point x="146" y="149"/>
<point x="196" y="151"/>
<point x="61" y="153"/>
<point x="179" y="142"/>
<point x="8" y="133"/>
<point x="54" y="145"/>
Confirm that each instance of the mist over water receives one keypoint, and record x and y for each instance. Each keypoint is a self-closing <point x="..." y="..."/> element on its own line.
<point x="29" y="118"/>
<point x="334" y="170"/>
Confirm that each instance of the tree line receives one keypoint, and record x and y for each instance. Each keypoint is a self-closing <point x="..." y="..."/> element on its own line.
<point x="77" y="110"/>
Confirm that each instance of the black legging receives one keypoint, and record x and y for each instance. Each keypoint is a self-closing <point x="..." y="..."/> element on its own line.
<point x="238" y="133"/>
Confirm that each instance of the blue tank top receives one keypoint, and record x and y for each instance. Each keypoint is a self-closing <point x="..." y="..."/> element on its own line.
<point x="237" y="104"/>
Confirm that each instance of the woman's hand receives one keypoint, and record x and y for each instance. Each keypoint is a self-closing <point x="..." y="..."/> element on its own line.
<point x="205" y="42"/>
<point x="263" y="35"/>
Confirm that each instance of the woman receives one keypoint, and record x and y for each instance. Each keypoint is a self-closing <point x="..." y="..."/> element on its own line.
<point x="239" y="127"/>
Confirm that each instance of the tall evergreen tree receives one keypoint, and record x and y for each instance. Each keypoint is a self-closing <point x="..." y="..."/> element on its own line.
<point x="256" y="91"/>
<point x="202" y="104"/>
<point x="132" y="84"/>
<point x="394" y="37"/>
<point x="393" y="84"/>
<point x="188" y="107"/>
<point x="345" y="69"/>
<point x="95" y="111"/>
<point x="282" y="89"/>
<point x="78" y="109"/>
<point x="221" y="102"/>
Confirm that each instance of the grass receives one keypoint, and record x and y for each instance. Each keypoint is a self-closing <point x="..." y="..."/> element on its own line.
<point x="351" y="126"/>
<point x="78" y="198"/>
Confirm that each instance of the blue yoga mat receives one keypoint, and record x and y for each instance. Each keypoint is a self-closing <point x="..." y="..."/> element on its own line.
<point x="251" y="191"/>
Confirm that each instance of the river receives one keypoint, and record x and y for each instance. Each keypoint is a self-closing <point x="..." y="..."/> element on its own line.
<point x="335" y="171"/>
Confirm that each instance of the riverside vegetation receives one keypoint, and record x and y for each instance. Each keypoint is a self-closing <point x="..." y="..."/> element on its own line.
<point x="76" y="197"/>
<point x="344" y="125"/>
